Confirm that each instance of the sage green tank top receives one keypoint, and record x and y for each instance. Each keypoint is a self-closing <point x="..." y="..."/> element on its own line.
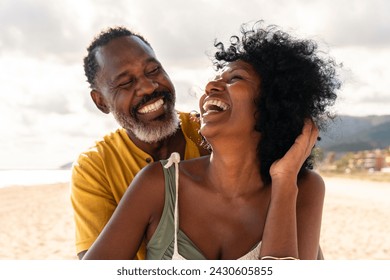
<point x="163" y="245"/>
<point x="160" y="246"/>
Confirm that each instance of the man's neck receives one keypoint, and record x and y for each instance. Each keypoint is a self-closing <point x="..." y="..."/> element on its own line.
<point x="162" y="149"/>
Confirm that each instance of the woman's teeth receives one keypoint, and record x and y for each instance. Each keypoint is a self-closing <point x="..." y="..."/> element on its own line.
<point x="214" y="106"/>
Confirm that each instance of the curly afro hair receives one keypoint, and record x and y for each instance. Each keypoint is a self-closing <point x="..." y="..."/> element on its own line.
<point x="91" y="66"/>
<point x="296" y="84"/>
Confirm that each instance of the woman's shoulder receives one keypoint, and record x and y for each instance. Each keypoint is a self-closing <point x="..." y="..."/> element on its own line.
<point x="310" y="177"/>
<point x="311" y="185"/>
<point x="154" y="173"/>
<point x="149" y="182"/>
<point x="151" y="172"/>
<point x="194" y="166"/>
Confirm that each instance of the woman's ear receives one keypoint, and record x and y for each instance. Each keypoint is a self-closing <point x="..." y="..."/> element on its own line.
<point x="100" y="101"/>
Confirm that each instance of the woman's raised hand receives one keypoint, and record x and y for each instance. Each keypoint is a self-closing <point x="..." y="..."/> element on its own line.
<point x="288" y="166"/>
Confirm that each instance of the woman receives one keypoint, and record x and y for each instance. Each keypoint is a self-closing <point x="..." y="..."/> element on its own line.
<point x="255" y="196"/>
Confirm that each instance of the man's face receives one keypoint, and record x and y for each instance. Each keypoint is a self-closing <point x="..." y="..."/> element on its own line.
<point x="135" y="88"/>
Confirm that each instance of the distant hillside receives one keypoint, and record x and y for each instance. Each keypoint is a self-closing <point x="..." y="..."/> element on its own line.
<point x="66" y="166"/>
<point x="348" y="134"/>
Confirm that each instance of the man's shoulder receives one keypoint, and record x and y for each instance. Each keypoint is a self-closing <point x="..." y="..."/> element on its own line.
<point x="110" y="141"/>
<point x="189" y="118"/>
<point x="190" y="125"/>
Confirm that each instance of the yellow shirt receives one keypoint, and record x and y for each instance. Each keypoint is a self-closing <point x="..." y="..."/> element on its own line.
<point x="102" y="174"/>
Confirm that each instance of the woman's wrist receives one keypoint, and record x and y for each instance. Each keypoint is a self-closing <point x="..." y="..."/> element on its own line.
<point x="284" y="189"/>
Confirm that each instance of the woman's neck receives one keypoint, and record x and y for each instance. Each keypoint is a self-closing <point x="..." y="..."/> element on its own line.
<point x="235" y="170"/>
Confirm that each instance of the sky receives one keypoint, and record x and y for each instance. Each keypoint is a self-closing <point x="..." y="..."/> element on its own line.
<point x="47" y="116"/>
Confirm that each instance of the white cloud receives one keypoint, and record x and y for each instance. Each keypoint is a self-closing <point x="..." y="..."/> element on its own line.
<point x="48" y="116"/>
<point x="366" y="85"/>
<point x="358" y="23"/>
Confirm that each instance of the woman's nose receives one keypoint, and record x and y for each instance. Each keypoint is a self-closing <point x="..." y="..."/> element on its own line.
<point x="214" y="86"/>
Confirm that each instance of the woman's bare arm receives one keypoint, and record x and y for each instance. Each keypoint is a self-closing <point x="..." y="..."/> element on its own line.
<point x="141" y="206"/>
<point x="285" y="227"/>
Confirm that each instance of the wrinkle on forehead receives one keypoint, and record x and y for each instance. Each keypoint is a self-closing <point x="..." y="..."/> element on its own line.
<point x="122" y="48"/>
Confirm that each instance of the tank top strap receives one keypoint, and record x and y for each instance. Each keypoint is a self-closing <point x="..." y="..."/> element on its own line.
<point x="175" y="159"/>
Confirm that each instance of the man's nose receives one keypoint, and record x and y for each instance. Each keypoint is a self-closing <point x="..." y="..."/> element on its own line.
<point x="146" y="86"/>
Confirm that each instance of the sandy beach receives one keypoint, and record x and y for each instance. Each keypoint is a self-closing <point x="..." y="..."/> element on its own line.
<point x="37" y="221"/>
<point x="356" y="220"/>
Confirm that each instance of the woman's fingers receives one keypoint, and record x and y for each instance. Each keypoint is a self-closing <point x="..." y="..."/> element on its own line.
<point x="292" y="161"/>
<point x="312" y="135"/>
<point x="307" y="139"/>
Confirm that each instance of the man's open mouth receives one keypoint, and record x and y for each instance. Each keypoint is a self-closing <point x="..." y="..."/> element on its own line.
<point x="151" y="107"/>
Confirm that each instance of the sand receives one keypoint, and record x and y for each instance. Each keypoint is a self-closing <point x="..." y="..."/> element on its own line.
<point x="37" y="221"/>
<point x="356" y="220"/>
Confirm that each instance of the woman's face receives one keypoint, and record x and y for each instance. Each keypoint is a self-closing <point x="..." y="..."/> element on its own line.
<point x="228" y="103"/>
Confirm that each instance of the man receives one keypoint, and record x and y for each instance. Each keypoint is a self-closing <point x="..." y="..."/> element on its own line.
<point x="127" y="80"/>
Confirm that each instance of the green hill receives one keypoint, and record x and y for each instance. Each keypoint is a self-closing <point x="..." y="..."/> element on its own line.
<point x="349" y="134"/>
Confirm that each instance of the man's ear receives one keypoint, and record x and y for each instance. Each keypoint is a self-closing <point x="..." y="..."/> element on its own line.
<point x="100" y="101"/>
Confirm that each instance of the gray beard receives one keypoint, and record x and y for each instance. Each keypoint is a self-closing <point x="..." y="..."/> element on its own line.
<point x="150" y="133"/>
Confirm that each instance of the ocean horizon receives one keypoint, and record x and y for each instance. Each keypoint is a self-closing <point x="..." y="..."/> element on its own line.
<point x="32" y="177"/>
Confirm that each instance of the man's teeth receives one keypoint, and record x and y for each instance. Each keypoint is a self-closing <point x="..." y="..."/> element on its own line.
<point x="214" y="106"/>
<point x="151" y="107"/>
